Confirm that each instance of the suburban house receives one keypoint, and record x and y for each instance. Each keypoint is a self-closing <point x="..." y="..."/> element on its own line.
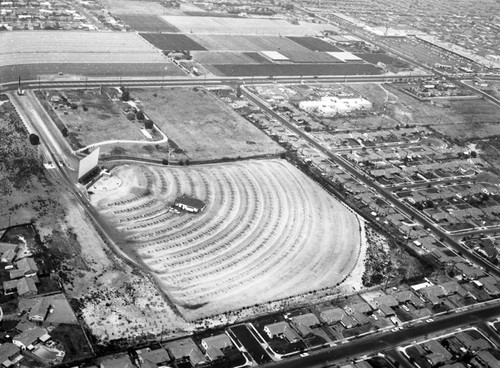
<point x="215" y="344"/>
<point x="281" y="330"/>
<point x="304" y="323"/>
<point x="332" y="316"/>
<point x="8" y="256"/>
<point x="23" y="287"/>
<point x="28" y="265"/>
<point x="39" y="311"/>
<point x="27" y="339"/>
<point x="183" y="348"/>
<point x="9" y="354"/>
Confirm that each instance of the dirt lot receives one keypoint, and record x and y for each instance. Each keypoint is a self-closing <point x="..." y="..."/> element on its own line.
<point x="460" y="119"/>
<point x="203" y="126"/>
<point x="265" y="224"/>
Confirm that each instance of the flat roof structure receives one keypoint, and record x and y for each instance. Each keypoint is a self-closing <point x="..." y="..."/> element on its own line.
<point x="190" y="204"/>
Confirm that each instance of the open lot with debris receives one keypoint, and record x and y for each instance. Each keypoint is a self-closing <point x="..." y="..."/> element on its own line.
<point x="202" y="126"/>
<point x="265" y="223"/>
<point x="92" y="116"/>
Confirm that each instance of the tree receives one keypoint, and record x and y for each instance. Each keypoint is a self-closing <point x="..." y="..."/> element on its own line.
<point x="140" y="115"/>
<point x="34" y="139"/>
<point x="125" y="95"/>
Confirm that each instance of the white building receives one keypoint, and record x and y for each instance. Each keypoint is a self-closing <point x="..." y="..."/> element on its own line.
<point x="333" y="105"/>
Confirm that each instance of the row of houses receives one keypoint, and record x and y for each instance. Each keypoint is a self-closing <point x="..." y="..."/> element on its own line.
<point x="183" y="352"/>
<point x="22" y="270"/>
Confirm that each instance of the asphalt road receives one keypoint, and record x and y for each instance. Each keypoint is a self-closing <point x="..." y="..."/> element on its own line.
<point x="409" y="211"/>
<point x="388" y="340"/>
<point x="154" y="81"/>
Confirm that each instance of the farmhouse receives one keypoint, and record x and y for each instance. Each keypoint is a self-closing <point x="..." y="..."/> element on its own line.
<point x="189" y="204"/>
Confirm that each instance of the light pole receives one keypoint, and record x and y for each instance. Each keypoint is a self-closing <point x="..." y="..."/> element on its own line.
<point x="164" y="72"/>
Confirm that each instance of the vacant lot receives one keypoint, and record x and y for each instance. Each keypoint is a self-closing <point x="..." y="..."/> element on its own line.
<point x="246" y="43"/>
<point x="294" y="69"/>
<point x="267" y="232"/>
<point x="203" y="126"/>
<point x="147" y="23"/>
<point x="314" y="44"/>
<point x="24" y="188"/>
<point x="245" y="26"/>
<point x="171" y="41"/>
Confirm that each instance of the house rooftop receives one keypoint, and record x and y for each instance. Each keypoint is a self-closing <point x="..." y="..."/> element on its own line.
<point x="308" y="319"/>
<point x="221" y="341"/>
<point x="282" y="329"/>
<point x="28" y="337"/>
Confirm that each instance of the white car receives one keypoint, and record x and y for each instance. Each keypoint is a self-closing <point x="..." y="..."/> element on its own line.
<point x="303" y="355"/>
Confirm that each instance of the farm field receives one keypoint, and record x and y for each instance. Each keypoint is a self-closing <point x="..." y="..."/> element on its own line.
<point x="244" y="26"/>
<point x="376" y="58"/>
<point x="166" y="41"/>
<point x="134" y="7"/>
<point x="268" y="232"/>
<point x="49" y="71"/>
<point x="246" y="43"/>
<point x="314" y="44"/>
<point x="209" y="57"/>
<point x="293" y="69"/>
<point x="310" y="57"/>
<point x="28" y="47"/>
<point x="202" y="126"/>
<point x="147" y="23"/>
